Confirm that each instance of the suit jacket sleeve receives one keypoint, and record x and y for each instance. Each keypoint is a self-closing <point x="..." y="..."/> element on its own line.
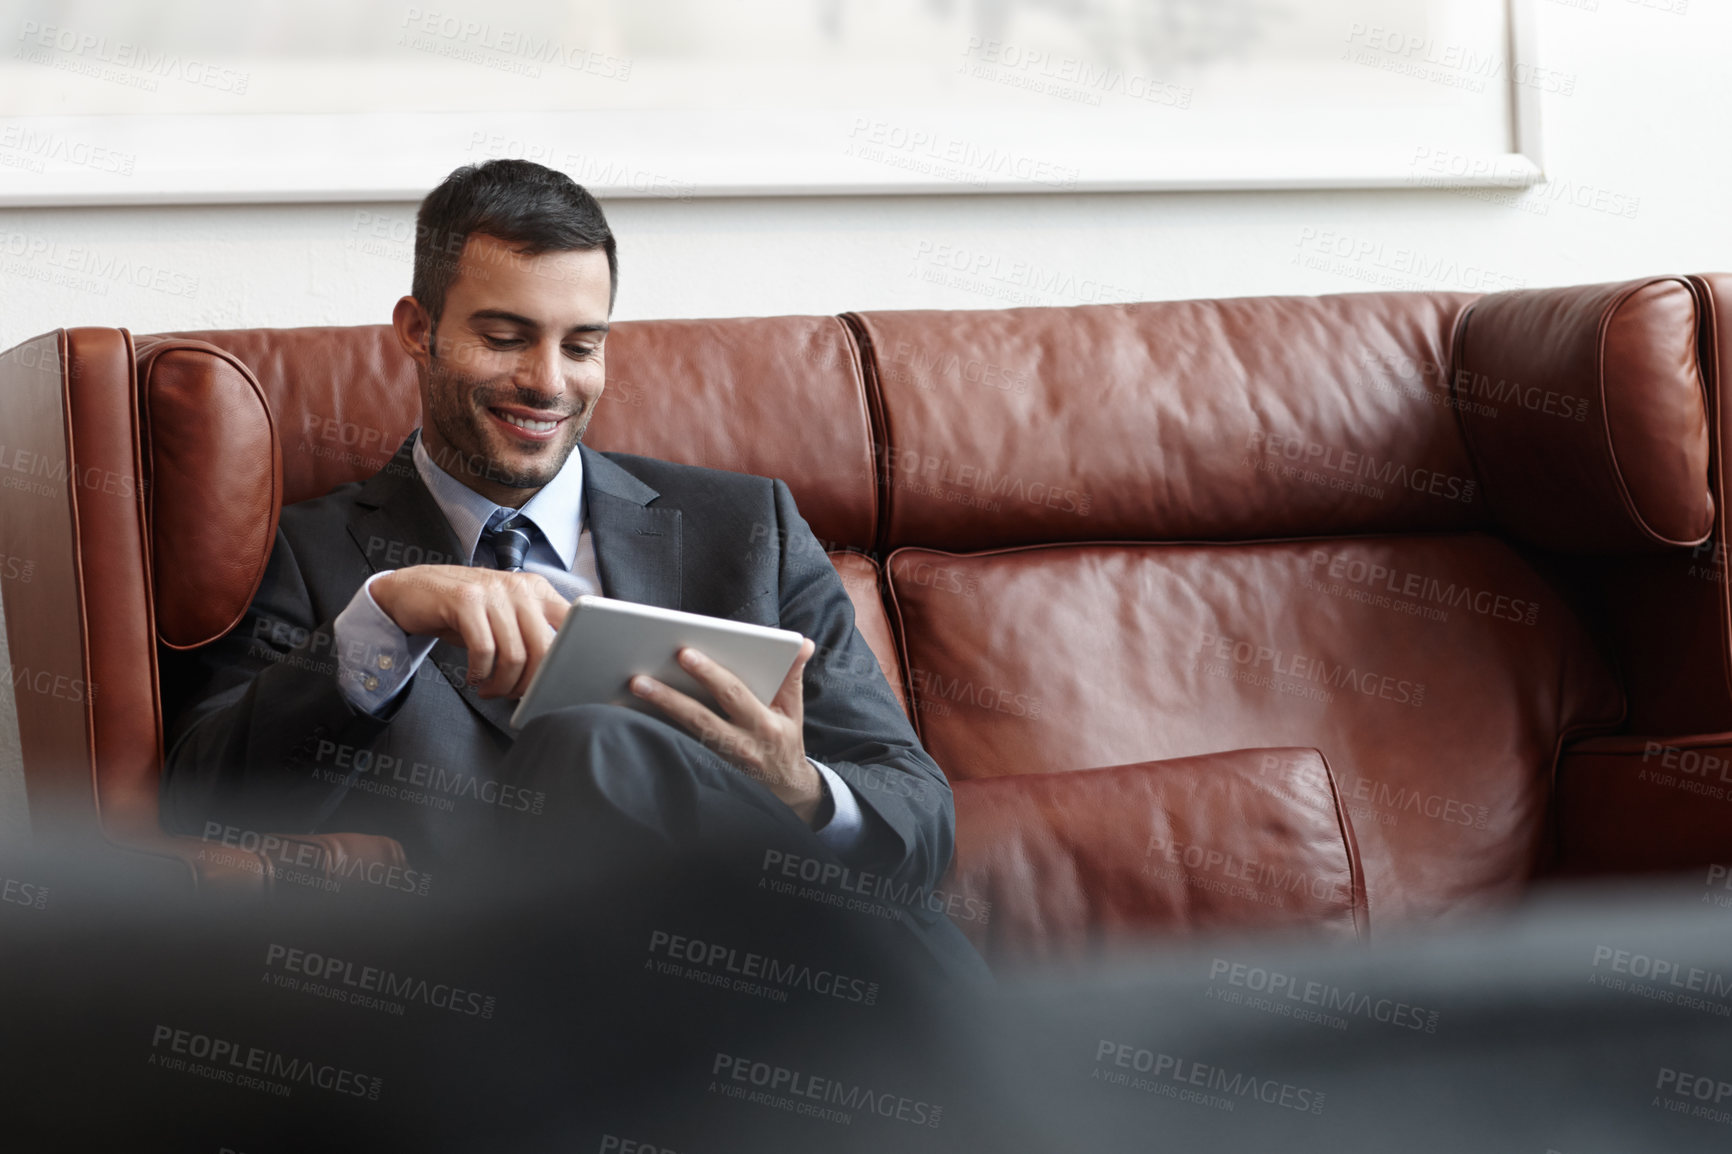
<point x="853" y="723"/>
<point x="264" y="697"/>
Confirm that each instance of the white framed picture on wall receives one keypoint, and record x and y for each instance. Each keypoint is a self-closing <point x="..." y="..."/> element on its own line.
<point x="200" y="101"/>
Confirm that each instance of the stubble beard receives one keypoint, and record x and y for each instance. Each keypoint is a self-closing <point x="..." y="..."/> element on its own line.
<point x="459" y="412"/>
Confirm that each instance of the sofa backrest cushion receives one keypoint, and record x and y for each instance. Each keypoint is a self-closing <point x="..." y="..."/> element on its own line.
<point x="1587" y="413"/>
<point x="779" y="397"/>
<point x="1438" y="673"/>
<point x="343" y="398"/>
<point x="1057" y="866"/>
<point x="242" y="422"/>
<point x="1178" y="420"/>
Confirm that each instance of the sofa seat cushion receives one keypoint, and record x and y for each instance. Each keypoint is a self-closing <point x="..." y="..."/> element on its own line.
<point x="1438" y="674"/>
<point x="1053" y="867"/>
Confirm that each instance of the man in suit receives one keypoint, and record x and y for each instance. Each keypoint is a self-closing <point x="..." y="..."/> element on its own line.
<point x="370" y="686"/>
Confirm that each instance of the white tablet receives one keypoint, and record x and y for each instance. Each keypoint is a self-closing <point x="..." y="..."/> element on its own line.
<point x="604" y="643"/>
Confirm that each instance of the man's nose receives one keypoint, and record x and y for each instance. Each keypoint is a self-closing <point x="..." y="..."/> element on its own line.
<point x="540" y="369"/>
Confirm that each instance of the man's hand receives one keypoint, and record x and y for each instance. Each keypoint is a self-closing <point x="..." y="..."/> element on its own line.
<point x="505" y="620"/>
<point x="766" y="741"/>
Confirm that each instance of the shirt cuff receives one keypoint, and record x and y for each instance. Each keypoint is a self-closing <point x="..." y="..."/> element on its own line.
<point x="375" y="658"/>
<point x="844" y="829"/>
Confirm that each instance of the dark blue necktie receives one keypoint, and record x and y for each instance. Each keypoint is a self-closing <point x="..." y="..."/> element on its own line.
<point x="510" y="540"/>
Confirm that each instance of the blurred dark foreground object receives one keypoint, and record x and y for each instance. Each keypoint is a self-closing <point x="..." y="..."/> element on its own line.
<point x="609" y="1017"/>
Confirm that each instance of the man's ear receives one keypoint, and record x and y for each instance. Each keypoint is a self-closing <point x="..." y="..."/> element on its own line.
<point x="414" y="329"/>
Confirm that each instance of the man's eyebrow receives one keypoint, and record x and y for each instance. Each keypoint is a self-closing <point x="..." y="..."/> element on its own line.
<point x="503" y="315"/>
<point x="516" y="319"/>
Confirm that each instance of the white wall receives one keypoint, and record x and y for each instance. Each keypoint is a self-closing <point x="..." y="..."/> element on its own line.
<point x="1643" y="132"/>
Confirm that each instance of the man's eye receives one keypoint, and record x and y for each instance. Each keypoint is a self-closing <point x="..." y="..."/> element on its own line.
<point x="501" y="342"/>
<point x="579" y="352"/>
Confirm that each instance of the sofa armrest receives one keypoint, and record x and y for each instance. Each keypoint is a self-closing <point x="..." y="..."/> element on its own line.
<point x="1063" y="864"/>
<point x="251" y="865"/>
<point x="1644" y="804"/>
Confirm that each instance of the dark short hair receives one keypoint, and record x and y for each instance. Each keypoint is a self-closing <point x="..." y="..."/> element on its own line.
<point x="530" y="207"/>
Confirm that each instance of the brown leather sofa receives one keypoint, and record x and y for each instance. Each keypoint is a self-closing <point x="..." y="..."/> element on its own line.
<point x="1358" y="607"/>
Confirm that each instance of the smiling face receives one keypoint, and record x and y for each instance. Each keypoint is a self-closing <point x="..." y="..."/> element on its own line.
<point x="511" y="374"/>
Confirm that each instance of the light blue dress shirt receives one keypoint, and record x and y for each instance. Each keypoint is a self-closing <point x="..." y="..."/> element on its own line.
<point x="376" y="659"/>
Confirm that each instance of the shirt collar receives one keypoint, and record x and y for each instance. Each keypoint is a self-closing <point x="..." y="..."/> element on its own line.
<point x="556" y="509"/>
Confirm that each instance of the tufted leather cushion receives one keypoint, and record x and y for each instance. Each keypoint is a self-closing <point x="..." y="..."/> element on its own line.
<point x="1053" y="866"/>
<point x="1438" y="673"/>
<point x="215" y="486"/>
<point x="1587" y="414"/>
<point x="1178" y="420"/>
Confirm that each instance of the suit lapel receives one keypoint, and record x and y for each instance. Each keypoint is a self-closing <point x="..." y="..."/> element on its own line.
<point x="396" y="522"/>
<point x="637" y="546"/>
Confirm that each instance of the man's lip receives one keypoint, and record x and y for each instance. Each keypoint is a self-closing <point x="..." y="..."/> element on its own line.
<point x="494" y="412"/>
<point x="529" y="414"/>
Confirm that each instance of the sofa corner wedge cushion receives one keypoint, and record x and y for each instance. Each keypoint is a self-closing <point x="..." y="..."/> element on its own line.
<point x="1586" y="412"/>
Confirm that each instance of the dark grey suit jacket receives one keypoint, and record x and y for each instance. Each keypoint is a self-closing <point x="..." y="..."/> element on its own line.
<point x="267" y="742"/>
